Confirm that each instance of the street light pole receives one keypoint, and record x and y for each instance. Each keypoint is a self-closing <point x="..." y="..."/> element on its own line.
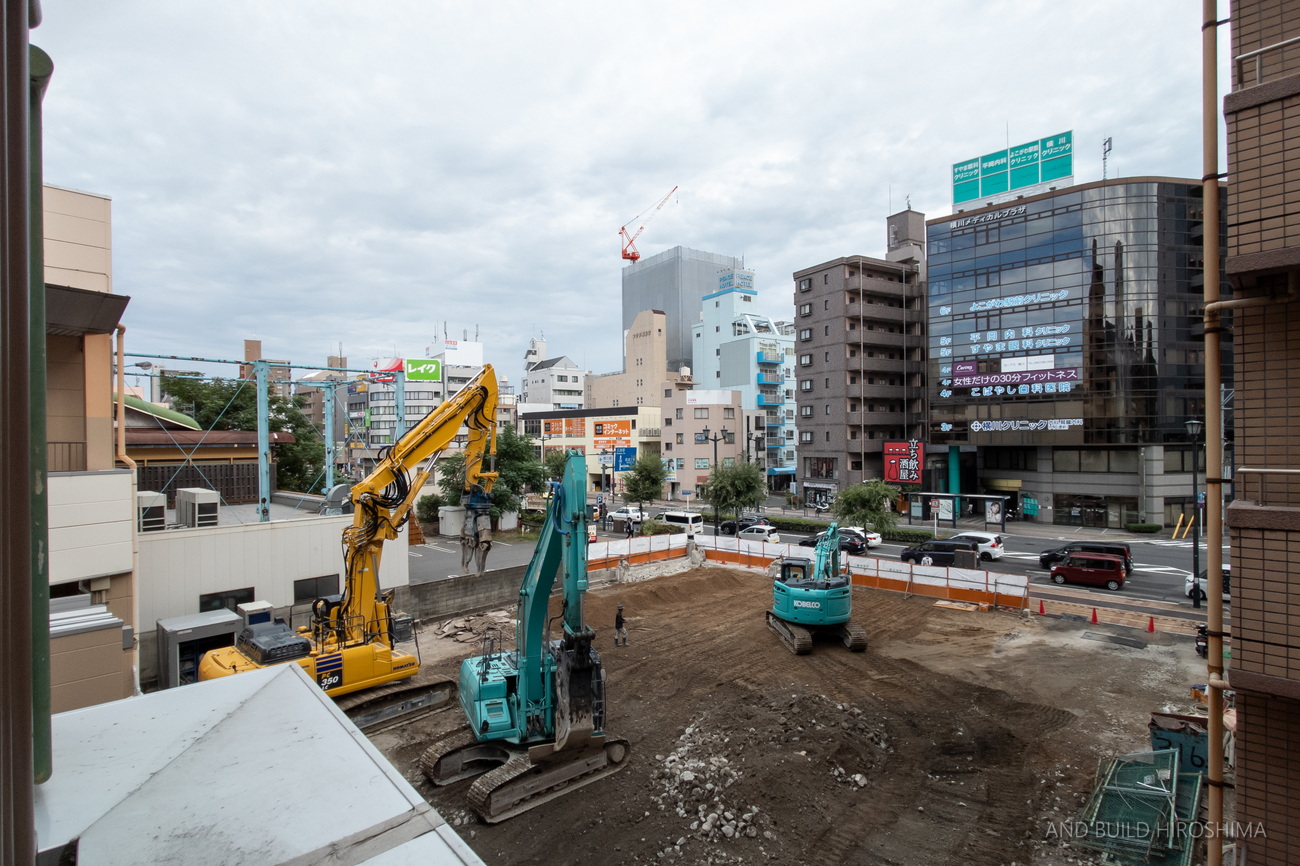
<point x="1194" y="431"/>
<point x="715" y="440"/>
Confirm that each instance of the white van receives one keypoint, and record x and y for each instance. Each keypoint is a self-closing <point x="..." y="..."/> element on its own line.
<point x="690" y="522"/>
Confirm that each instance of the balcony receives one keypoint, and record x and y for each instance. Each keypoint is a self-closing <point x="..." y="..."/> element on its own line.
<point x="770" y="357"/>
<point x="647" y="433"/>
<point x="767" y="377"/>
<point x="775" y="421"/>
<point x="875" y="419"/>
<point x="771" y="400"/>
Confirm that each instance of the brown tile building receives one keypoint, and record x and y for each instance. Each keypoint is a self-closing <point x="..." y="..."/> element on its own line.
<point x="1263" y="262"/>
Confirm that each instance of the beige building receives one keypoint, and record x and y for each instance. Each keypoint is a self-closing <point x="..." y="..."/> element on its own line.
<point x="91" y="502"/>
<point x="645" y="357"/>
<point x="278" y="375"/>
<point x="692" y="419"/>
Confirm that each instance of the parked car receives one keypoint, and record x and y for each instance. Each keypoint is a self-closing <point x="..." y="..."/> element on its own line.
<point x="849" y="542"/>
<point x="1048" y="558"/>
<point x="682" y="521"/>
<point x="731" y="527"/>
<point x="990" y="543"/>
<point x="760" y="532"/>
<point x="871" y="539"/>
<point x="939" y="552"/>
<point x="628" y="512"/>
<point x="1090" y="569"/>
<point x="1227" y="583"/>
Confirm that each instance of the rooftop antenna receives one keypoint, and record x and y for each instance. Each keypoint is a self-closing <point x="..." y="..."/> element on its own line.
<point x="1105" y="152"/>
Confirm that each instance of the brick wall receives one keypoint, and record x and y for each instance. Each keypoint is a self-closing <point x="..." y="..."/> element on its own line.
<point x="1268" y="776"/>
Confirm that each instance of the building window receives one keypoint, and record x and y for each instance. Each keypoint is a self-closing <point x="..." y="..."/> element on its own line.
<point x="668" y="392"/>
<point x="805" y="284"/>
<point x="702" y="412"/>
<point x="805" y="438"/>
<point x="827" y="359"/>
<point x="680" y="438"/>
<point x="826" y="278"/>
<point x="805" y="309"/>
<point x="805" y="360"/>
<point x="701" y="463"/>
<point x="805" y="385"/>
<point x="805" y="411"/>
<point x="805" y="335"/>
<point x="678" y="414"/>
<point x="728" y="412"/>
<point x="828" y="408"/>
<point x="312" y="588"/>
<point x="681" y="462"/>
<point x="228" y="600"/>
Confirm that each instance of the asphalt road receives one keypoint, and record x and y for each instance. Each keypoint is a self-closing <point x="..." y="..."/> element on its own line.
<point x="1160" y="566"/>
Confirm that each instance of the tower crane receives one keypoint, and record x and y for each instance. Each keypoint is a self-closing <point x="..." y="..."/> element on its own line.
<point x="629" y="241"/>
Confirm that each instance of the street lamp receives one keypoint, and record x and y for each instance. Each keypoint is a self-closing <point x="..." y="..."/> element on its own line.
<point x="1194" y="431"/>
<point x="715" y="440"/>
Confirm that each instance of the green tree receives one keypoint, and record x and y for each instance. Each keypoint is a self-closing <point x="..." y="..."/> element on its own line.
<point x="645" y="483"/>
<point x="732" y="489"/>
<point x="868" y="505"/>
<point x="231" y="404"/>
<point x="553" y="462"/>
<point x="516" y="465"/>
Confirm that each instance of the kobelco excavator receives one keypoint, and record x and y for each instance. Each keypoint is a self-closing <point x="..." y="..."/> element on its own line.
<point x="812" y="597"/>
<point x="351" y="643"/>
<point x="535" y="714"/>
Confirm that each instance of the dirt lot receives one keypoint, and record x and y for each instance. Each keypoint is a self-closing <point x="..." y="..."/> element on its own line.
<point x="958" y="737"/>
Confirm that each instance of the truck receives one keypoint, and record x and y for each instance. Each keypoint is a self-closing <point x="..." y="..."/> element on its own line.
<point x="351" y="642"/>
<point x="812" y="597"/>
<point x="535" y="713"/>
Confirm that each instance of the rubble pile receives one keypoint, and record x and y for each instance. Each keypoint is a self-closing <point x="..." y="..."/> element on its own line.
<point x="471" y="628"/>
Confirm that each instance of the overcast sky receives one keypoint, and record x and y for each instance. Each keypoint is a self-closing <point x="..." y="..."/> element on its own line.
<point x="316" y="174"/>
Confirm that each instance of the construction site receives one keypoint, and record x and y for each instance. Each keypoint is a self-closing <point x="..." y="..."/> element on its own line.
<point x="964" y="734"/>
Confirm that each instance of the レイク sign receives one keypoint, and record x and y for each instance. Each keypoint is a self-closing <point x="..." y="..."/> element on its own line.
<point x="424" y="370"/>
<point x="904" y="461"/>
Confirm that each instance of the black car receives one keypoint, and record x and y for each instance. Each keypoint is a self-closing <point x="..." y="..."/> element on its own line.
<point x="731" y="527"/>
<point x="940" y="552"/>
<point x="849" y="543"/>
<point x="1048" y="558"/>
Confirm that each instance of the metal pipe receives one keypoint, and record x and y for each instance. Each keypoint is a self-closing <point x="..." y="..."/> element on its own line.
<point x="121" y="402"/>
<point x="1213" y="424"/>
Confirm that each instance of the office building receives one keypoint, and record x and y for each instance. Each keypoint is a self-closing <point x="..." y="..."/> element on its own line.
<point x="645" y="357"/>
<point x="859" y="346"/>
<point x="738" y="348"/>
<point x="674" y="281"/>
<point x="1065" y="352"/>
<point x="1263" y="264"/>
<point x="278" y="373"/>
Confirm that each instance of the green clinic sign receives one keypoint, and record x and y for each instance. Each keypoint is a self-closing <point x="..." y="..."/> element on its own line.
<point x="1015" y="168"/>
<point x="424" y="371"/>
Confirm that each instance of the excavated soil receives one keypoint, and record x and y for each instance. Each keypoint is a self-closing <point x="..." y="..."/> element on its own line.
<point x="957" y="737"/>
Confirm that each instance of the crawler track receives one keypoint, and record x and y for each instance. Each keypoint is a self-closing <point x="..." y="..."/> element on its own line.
<point x="373" y="710"/>
<point x="799" y="639"/>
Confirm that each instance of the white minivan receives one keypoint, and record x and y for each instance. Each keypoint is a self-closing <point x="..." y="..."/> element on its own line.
<point x="688" y="521"/>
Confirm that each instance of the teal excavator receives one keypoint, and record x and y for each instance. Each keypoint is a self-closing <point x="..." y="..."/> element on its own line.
<point x="535" y="714"/>
<point x="812" y="597"/>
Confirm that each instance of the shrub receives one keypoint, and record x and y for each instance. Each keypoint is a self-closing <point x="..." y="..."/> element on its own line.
<point x="907" y="536"/>
<point x="1143" y="527"/>
<point x="426" y="508"/>
<point x="655" y="527"/>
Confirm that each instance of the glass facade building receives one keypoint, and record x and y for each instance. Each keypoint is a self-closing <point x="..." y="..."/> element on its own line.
<point x="1064" y="341"/>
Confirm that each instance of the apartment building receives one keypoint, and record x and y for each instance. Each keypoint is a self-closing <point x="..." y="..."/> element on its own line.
<point x="859" y="345"/>
<point x="1263" y="265"/>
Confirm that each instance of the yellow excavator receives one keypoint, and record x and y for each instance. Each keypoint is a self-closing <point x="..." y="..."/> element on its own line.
<point x="351" y="642"/>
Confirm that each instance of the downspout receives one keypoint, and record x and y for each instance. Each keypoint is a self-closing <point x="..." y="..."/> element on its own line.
<point x="135" y="485"/>
<point x="1213" y="426"/>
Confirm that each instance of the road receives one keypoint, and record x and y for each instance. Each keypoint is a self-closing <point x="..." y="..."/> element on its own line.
<point x="1159" y="565"/>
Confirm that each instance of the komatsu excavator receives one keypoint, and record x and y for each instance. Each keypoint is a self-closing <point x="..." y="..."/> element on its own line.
<point x="535" y="714"/>
<point x="351" y="643"/>
<point x="812" y="597"/>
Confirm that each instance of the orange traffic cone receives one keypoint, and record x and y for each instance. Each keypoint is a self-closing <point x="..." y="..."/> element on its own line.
<point x="1094" y="616"/>
<point x="1041" y="610"/>
<point x="1151" y="625"/>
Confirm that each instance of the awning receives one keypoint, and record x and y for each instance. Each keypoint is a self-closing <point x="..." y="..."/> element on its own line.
<point x="72" y="312"/>
<point x="1002" y="483"/>
<point x="781" y="470"/>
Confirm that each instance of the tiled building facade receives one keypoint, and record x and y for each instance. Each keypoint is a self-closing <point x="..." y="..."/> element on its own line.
<point x="1263" y="263"/>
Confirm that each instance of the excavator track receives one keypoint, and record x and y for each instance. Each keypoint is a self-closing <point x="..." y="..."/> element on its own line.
<point x="520" y="784"/>
<point x="373" y="710"/>
<point x="854" y="637"/>
<point x="797" y="638"/>
<point x="460" y="755"/>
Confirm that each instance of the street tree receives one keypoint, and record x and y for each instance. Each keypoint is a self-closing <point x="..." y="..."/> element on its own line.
<point x="868" y="504"/>
<point x="732" y="489"/>
<point x="517" y="467"/>
<point x="645" y="483"/>
<point x="231" y="404"/>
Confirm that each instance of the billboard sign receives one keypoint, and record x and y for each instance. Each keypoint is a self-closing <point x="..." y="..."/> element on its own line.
<point x="426" y="370"/>
<point x="904" y="461"/>
<point x="1018" y="167"/>
<point x="624" y="459"/>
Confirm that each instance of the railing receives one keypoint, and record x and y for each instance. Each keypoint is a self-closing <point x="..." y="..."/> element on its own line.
<point x="768" y="378"/>
<point x="1263" y="479"/>
<point x="65" y="456"/>
<point x="770" y="357"/>
<point x="1258" y="56"/>
<point x="771" y="400"/>
<point x="647" y="433"/>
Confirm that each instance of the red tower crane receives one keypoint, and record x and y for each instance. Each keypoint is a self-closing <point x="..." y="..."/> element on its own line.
<point x="629" y="241"/>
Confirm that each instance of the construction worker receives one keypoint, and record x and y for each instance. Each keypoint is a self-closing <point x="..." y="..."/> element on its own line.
<point x="620" y="627"/>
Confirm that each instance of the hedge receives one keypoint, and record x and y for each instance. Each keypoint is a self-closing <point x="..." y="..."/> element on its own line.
<point x="1143" y="527"/>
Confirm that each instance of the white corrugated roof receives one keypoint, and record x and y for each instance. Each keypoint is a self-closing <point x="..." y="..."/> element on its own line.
<point x="258" y="768"/>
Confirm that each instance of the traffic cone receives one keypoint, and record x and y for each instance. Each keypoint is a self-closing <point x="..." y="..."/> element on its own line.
<point x="1151" y="625"/>
<point x="1041" y="610"/>
<point x="1094" y="616"/>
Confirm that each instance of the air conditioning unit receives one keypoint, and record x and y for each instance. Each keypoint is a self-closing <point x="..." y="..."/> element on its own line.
<point x="197" y="506"/>
<point x="150" y="511"/>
